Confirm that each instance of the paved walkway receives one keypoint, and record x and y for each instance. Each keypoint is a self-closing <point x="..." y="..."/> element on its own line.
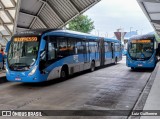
<point x="153" y="100"/>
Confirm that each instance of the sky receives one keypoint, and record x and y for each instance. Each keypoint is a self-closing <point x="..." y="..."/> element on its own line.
<point x="110" y="15"/>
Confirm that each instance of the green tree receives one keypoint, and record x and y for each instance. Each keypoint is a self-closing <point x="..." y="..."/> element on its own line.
<point x="82" y="24"/>
<point x="157" y="37"/>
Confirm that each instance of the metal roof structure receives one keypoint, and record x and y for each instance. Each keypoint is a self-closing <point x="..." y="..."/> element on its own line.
<point x="7" y="16"/>
<point x="151" y="8"/>
<point x="19" y="15"/>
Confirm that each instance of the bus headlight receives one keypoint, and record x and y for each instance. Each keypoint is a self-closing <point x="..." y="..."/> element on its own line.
<point x="33" y="71"/>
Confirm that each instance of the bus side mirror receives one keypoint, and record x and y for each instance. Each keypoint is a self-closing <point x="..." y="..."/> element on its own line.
<point x="7" y="46"/>
<point x="43" y="54"/>
<point x="42" y="60"/>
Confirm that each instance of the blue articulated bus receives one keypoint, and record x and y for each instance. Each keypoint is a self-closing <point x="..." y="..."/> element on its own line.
<point x="44" y="54"/>
<point x="141" y="52"/>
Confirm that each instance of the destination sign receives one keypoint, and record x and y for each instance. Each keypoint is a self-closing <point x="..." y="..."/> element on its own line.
<point x="141" y="41"/>
<point x="25" y="39"/>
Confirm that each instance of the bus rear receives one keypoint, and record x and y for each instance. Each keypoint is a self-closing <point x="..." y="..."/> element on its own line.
<point x="141" y="52"/>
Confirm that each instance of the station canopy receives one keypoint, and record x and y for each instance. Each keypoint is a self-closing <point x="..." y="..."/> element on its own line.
<point x="7" y="16"/>
<point x="19" y="15"/>
<point x="151" y="8"/>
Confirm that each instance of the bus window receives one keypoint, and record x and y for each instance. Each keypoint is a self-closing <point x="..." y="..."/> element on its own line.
<point x="117" y="47"/>
<point x="71" y="46"/>
<point x="106" y="47"/>
<point x="80" y="47"/>
<point x="87" y="47"/>
<point x="141" y="50"/>
<point x="23" y="53"/>
<point x="84" y="50"/>
<point x="52" y="50"/>
<point x="62" y="47"/>
<point x="109" y="47"/>
<point x="93" y="47"/>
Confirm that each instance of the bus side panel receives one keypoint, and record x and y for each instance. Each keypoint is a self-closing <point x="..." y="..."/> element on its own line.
<point x="118" y="55"/>
<point x="108" y="58"/>
<point x="97" y="60"/>
<point x="102" y="52"/>
<point x="75" y="64"/>
<point x="92" y="56"/>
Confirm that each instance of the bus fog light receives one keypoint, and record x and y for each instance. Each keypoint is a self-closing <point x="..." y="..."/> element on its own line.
<point x="33" y="71"/>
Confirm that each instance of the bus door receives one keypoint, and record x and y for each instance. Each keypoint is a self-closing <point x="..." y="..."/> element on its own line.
<point x="86" y="52"/>
<point x="113" y="50"/>
<point x="102" y="52"/>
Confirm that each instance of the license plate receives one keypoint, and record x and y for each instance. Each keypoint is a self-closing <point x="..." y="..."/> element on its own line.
<point x="140" y="65"/>
<point x="18" y="79"/>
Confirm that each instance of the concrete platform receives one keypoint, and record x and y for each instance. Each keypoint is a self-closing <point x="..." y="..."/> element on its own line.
<point x="153" y="101"/>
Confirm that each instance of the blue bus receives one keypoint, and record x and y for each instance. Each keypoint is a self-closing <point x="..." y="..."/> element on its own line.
<point x="141" y="52"/>
<point x="44" y="54"/>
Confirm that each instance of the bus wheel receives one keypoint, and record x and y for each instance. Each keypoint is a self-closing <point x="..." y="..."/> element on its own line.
<point x="92" y="66"/>
<point x="116" y="60"/>
<point x="64" y="74"/>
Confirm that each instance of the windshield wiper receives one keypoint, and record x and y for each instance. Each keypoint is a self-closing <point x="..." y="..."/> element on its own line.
<point x="19" y="64"/>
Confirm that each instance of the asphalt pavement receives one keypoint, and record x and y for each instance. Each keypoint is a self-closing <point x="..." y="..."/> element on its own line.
<point x="114" y="87"/>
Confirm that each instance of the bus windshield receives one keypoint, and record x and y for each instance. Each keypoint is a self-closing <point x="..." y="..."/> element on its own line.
<point x="141" y="49"/>
<point x="23" y="53"/>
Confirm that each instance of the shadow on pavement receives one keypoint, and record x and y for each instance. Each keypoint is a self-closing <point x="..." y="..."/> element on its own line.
<point x="142" y="70"/>
<point x="56" y="81"/>
<point x="3" y="79"/>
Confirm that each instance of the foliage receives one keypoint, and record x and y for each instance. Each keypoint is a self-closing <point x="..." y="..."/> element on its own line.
<point x="82" y="24"/>
<point x="157" y="37"/>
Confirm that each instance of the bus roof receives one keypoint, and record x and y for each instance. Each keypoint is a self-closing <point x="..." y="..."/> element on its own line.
<point x="34" y="32"/>
<point x="74" y="34"/>
<point x="146" y="36"/>
<point x="112" y="40"/>
<point x="39" y="32"/>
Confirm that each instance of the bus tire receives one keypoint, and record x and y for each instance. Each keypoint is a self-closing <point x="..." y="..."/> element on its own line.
<point x="92" y="66"/>
<point x="64" y="73"/>
<point x="116" y="60"/>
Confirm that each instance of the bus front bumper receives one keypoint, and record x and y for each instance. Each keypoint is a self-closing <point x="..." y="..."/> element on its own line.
<point x="22" y="77"/>
<point x="140" y="64"/>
